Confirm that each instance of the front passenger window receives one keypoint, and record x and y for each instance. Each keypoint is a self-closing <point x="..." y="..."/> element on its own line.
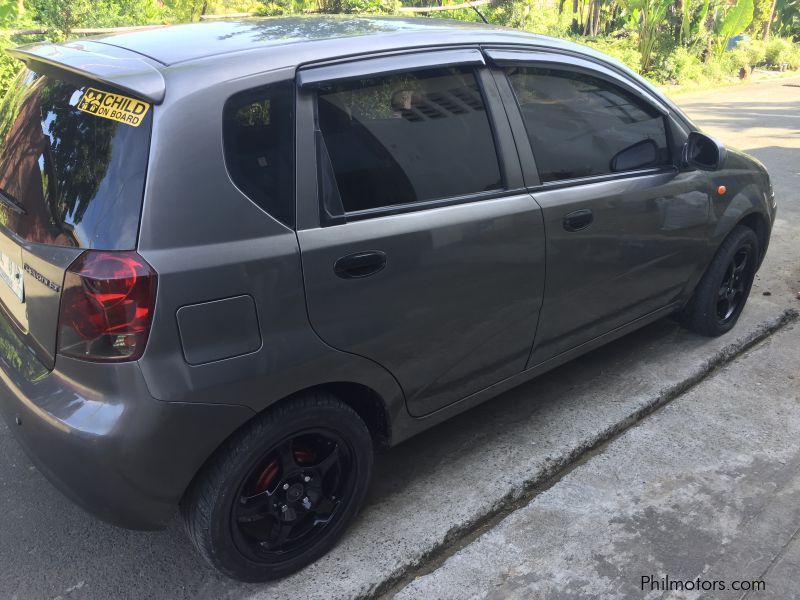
<point x="580" y="126"/>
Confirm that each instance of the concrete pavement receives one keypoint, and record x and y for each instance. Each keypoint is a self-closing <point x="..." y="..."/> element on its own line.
<point x="439" y="487"/>
<point x="705" y="493"/>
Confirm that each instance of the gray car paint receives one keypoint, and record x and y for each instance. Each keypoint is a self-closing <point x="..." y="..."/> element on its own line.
<point x="101" y="62"/>
<point x="597" y="279"/>
<point x="455" y="309"/>
<point x="99" y="437"/>
<point x="43" y="276"/>
<point x="208" y="243"/>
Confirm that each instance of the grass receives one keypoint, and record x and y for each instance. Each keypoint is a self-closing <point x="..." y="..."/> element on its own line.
<point x="758" y="76"/>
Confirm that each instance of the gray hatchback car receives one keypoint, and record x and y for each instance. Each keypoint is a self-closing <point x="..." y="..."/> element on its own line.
<point x="238" y="255"/>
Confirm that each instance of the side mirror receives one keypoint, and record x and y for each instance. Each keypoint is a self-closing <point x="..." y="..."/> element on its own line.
<point x="703" y="152"/>
<point x="639" y="155"/>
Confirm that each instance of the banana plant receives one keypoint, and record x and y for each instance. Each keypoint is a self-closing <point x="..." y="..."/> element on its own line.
<point x="731" y="23"/>
<point x="652" y="14"/>
<point x="787" y="23"/>
<point x="693" y="17"/>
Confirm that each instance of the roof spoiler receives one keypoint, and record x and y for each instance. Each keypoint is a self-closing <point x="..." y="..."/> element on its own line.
<point x="101" y="62"/>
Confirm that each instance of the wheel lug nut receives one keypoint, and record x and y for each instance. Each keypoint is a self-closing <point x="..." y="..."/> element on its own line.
<point x="306" y="478"/>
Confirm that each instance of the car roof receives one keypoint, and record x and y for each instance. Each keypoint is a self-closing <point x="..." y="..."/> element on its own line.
<point x="181" y="43"/>
<point x="138" y="61"/>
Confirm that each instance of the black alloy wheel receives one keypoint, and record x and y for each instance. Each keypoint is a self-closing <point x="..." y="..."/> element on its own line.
<point x="720" y="297"/>
<point x="281" y="491"/>
<point x="286" y="503"/>
<point x="731" y="293"/>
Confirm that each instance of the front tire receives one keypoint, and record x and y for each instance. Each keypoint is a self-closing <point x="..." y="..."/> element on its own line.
<point x="722" y="293"/>
<point x="280" y="493"/>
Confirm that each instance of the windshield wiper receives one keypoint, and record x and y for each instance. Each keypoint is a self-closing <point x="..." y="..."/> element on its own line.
<point x="12" y="204"/>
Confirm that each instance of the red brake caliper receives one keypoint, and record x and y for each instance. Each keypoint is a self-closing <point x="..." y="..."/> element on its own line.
<point x="267" y="476"/>
<point x="304" y="456"/>
<point x="271" y="471"/>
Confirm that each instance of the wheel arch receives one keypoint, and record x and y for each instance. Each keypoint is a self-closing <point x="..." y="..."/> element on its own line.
<point x="747" y="208"/>
<point x="366" y="402"/>
<point x="758" y="223"/>
<point x="742" y="211"/>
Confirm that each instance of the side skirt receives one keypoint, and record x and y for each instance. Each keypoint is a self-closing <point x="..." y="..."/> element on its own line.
<point x="407" y="426"/>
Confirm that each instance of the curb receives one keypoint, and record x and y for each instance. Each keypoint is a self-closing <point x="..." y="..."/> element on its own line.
<point x="462" y="534"/>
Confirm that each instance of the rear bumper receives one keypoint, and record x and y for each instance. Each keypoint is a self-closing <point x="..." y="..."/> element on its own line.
<point x="97" y="434"/>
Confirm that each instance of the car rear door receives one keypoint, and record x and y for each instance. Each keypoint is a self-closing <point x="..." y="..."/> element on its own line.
<point x="627" y="231"/>
<point x="421" y="250"/>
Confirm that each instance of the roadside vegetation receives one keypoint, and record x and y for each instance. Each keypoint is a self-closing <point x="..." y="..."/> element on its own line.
<point x="690" y="43"/>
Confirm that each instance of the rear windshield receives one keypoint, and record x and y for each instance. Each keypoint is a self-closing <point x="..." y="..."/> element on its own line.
<point x="69" y="177"/>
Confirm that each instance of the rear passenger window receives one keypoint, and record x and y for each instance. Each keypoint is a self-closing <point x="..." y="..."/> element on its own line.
<point x="405" y="138"/>
<point x="258" y="131"/>
<point x="580" y="126"/>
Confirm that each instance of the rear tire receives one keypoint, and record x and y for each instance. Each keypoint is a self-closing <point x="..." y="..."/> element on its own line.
<point x="280" y="493"/>
<point x="722" y="293"/>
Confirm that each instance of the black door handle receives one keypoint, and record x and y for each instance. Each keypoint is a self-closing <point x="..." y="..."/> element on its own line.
<point x="579" y="219"/>
<point x="360" y="264"/>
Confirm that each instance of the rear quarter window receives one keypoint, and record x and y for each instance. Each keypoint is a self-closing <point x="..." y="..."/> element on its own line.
<point x="258" y="132"/>
<point x="69" y="177"/>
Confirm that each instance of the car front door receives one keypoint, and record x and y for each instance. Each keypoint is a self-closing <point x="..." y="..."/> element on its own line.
<point x="420" y="248"/>
<point x="627" y="231"/>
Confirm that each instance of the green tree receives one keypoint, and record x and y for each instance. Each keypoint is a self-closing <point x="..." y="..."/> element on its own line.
<point x="762" y="14"/>
<point x="62" y="16"/>
<point x="9" y="11"/>
<point x="186" y="10"/>
<point x="9" y="67"/>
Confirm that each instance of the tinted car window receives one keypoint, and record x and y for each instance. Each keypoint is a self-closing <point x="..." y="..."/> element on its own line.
<point x="579" y="125"/>
<point x="69" y="177"/>
<point x="258" y="130"/>
<point x="410" y="137"/>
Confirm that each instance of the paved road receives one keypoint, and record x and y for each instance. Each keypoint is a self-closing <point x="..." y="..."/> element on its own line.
<point x="705" y="493"/>
<point x="430" y="490"/>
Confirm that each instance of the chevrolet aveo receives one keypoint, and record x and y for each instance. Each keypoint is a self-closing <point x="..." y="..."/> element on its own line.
<point x="236" y="256"/>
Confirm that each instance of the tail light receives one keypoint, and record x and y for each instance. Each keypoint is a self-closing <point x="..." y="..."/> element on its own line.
<point x="106" y="307"/>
